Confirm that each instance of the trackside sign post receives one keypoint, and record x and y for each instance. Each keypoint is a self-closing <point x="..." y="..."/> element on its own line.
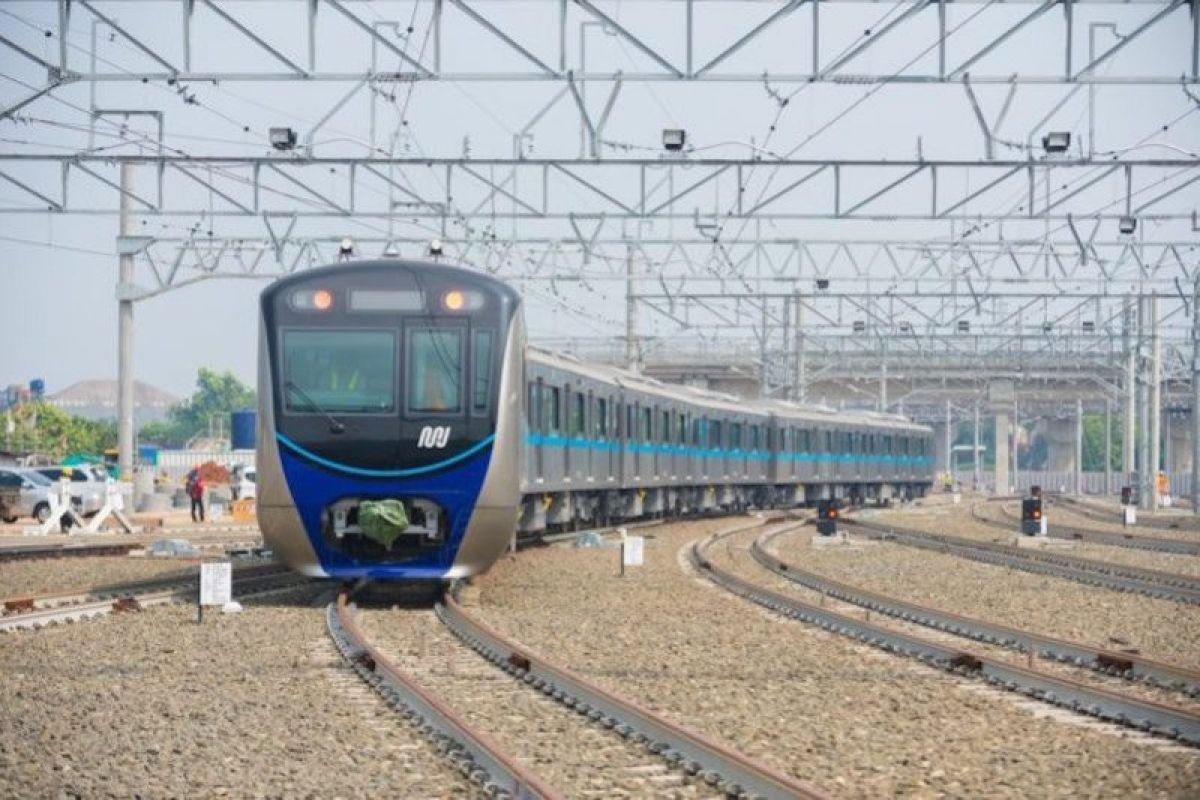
<point x="632" y="551"/>
<point x="216" y="578"/>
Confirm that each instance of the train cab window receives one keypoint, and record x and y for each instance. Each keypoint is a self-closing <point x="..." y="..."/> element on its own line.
<point x="576" y="419"/>
<point x="601" y="418"/>
<point x="435" y="371"/>
<point x="481" y="370"/>
<point x="340" y="371"/>
<point x="551" y="411"/>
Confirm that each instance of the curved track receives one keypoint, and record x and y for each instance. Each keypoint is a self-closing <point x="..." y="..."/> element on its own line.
<point x="1182" y="523"/>
<point x="1125" y="665"/>
<point x="38" y="611"/>
<point x="1169" y="721"/>
<point x="1154" y="583"/>
<point x="718" y="770"/>
<point x="1129" y="540"/>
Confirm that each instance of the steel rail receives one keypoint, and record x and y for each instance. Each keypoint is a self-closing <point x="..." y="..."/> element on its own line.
<point x="39" y="618"/>
<point x="475" y="753"/>
<point x="1161" y="585"/>
<point x="716" y="763"/>
<point x="1187" y="524"/>
<point x="1127" y="540"/>
<point x="1124" y="665"/>
<point x="1151" y="717"/>
<point x="23" y="603"/>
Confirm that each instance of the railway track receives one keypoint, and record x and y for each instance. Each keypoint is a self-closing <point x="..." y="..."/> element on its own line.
<point x="1128" y="540"/>
<point x="1165" y="720"/>
<point x="1084" y="509"/>
<point x="1119" y="664"/>
<point x="1153" y="583"/>
<point x="202" y="538"/>
<point x="65" y="607"/>
<point x="620" y="748"/>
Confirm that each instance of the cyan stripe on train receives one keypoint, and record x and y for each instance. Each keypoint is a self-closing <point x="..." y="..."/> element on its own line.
<point x="580" y="443"/>
<point x="315" y="486"/>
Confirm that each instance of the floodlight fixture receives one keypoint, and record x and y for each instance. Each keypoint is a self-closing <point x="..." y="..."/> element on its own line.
<point x="282" y="138"/>
<point x="1127" y="224"/>
<point x="436" y="248"/>
<point x="673" y="139"/>
<point x="391" y="251"/>
<point x="345" y="249"/>
<point x="1056" y="142"/>
<point x="822" y="283"/>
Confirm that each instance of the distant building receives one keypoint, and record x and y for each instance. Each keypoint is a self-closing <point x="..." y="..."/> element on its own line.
<point x="98" y="400"/>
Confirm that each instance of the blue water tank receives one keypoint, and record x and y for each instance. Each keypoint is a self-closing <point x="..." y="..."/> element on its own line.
<point x="242" y="429"/>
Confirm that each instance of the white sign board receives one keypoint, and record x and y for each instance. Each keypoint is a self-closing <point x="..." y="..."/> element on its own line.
<point x="1130" y="515"/>
<point x="632" y="551"/>
<point x="215" y="580"/>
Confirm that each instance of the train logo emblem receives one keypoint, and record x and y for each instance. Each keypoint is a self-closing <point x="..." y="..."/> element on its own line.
<point x="434" y="436"/>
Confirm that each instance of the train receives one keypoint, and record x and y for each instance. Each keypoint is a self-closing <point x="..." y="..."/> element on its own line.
<point x="408" y="431"/>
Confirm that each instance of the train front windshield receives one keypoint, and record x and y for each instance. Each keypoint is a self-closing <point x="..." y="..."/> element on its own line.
<point x="363" y="361"/>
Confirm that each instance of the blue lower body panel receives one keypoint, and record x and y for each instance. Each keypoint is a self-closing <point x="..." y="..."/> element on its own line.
<point x="456" y="489"/>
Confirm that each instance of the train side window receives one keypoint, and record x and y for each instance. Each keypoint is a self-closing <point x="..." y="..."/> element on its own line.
<point x="646" y="424"/>
<point x="551" y="411"/>
<point x="887" y="445"/>
<point x="753" y="437"/>
<point x="681" y="429"/>
<point x="630" y="428"/>
<point x="481" y="370"/>
<point x="735" y="436"/>
<point x="576" y="419"/>
<point x="664" y="431"/>
<point x="697" y="427"/>
<point x="828" y="442"/>
<point x="715" y="439"/>
<point x="601" y="418"/>
<point x="533" y="404"/>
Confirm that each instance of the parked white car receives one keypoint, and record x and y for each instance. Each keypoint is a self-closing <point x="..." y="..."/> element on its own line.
<point x="244" y="483"/>
<point x="87" y="485"/>
<point x="34" y="493"/>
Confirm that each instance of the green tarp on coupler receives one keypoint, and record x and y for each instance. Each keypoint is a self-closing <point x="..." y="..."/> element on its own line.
<point x="382" y="521"/>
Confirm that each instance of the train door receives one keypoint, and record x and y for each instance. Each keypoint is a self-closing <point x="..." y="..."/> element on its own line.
<point x="536" y="430"/>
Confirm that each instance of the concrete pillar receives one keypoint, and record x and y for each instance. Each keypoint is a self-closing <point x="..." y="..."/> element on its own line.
<point x="1060" y="446"/>
<point x="1180" y="444"/>
<point x="941" y="456"/>
<point x="1002" y="479"/>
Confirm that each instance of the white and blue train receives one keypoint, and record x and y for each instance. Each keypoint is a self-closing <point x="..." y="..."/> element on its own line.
<point x="412" y="381"/>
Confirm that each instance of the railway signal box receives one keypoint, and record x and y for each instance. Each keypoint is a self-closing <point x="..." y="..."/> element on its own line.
<point x="828" y="512"/>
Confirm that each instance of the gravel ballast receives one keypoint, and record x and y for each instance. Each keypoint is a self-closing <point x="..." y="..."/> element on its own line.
<point x="19" y="578"/>
<point x="151" y="704"/>
<point x="841" y="715"/>
<point x="953" y="520"/>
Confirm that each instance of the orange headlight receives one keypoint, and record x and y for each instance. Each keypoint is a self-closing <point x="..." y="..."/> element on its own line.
<point x="322" y="299"/>
<point x="453" y="300"/>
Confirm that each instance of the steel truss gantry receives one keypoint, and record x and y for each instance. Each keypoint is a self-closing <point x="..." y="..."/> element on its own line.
<point x="540" y="48"/>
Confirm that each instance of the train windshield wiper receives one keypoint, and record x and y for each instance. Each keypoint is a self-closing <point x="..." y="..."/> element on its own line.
<point x="335" y="425"/>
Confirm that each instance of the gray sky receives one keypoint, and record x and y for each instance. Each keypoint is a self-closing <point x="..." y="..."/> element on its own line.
<point x="57" y="272"/>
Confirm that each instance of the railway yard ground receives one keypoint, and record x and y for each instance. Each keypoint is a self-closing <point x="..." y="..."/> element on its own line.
<point x="263" y="702"/>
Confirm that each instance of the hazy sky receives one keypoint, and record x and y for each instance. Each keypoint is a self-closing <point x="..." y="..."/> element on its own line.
<point x="57" y="272"/>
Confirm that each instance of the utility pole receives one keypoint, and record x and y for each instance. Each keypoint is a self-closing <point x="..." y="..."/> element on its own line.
<point x="978" y="466"/>
<point x="1107" y="446"/>
<point x="1145" y="470"/>
<point x="125" y="332"/>
<point x="1155" y="399"/>
<point x="949" y="440"/>
<point x="632" y="355"/>
<point x="1077" y="478"/>
<point x="1129" y="439"/>
<point x="801" y="366"/>
<point x="1196" y="395"/>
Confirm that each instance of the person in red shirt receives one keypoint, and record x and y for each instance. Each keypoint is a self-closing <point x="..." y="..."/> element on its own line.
<point x="195" y="490"/>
